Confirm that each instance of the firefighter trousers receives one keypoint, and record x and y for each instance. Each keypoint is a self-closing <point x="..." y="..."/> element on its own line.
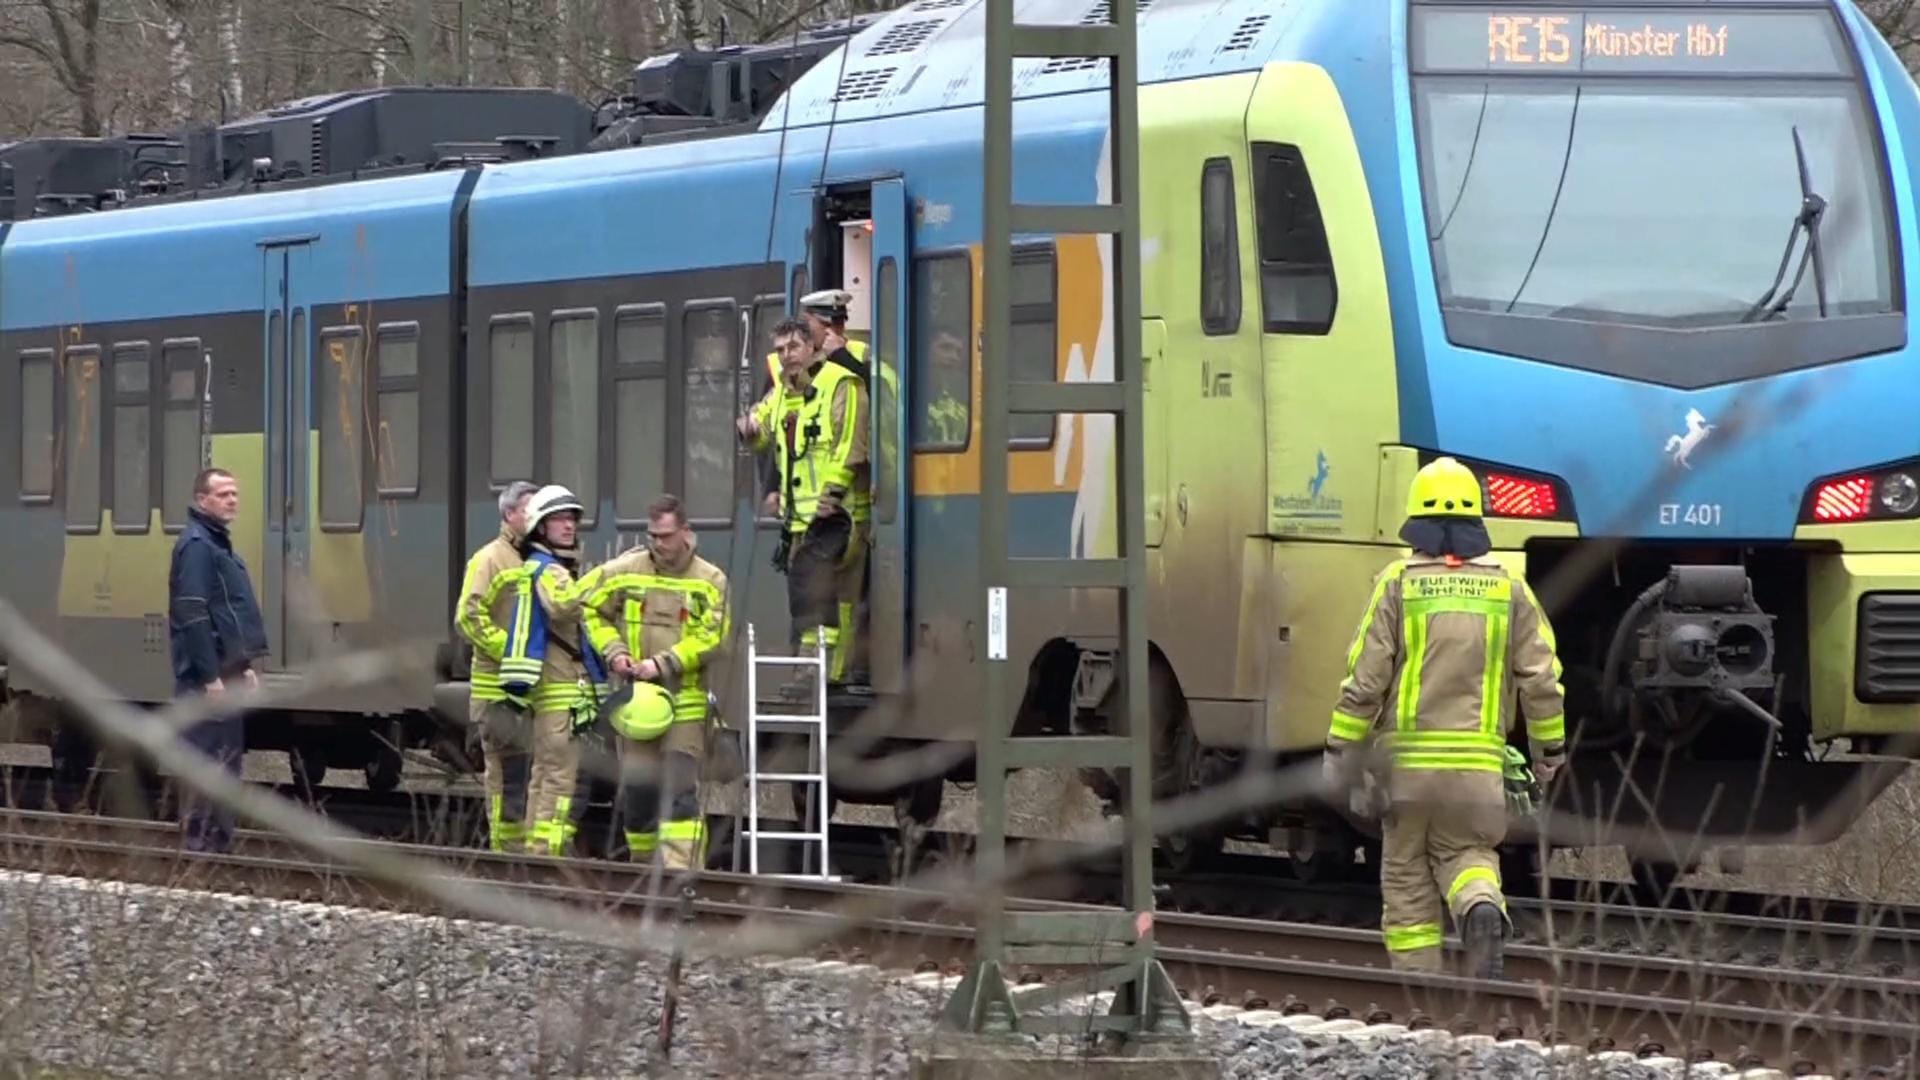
<point x="659" y="797"/>
<point x="1435" y="857"/>
<point x="505" y="733"/>
<point x="556" y="765"/>
<point x="825" y="579"/>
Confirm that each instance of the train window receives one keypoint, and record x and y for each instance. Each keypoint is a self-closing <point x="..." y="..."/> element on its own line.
<point x="510" y="394"/>
<point x="180" y="452"/>
<point x="712" y="354"/>
<point x="1036" y="339"/>
<point x="132" y="437"/>
<point x="940" y="394"/>
<point x="767" y="313"/>
<point x="573" y="403"/>
<point x="1298" y="293"/>
<point x="339" y="410"/>
<point x="396" y="447"/>
<point x="80" y="452"/>
<point x="639" y="409"/>
<point x="36" y="425"/>
<point x="1219" y="250"/>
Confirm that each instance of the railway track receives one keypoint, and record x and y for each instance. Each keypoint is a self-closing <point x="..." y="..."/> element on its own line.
<point x="1285" y="972"/>
<point x="1800" y="935"/>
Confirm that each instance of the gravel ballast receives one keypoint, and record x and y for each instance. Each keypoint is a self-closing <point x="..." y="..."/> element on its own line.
<point x="113" y="980"/>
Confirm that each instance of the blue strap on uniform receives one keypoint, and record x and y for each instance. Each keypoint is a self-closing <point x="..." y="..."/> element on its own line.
<point x="537" y="632"/>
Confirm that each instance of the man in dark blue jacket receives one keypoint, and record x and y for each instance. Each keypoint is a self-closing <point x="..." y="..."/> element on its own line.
<point x="215" y="633"/>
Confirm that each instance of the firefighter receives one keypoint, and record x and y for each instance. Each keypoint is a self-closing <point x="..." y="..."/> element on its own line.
<point x="501" y="722"/>
<point x="547" y="661"/>
<point x="820" y="454"/>
<point x="1448" y="641"/>
<point x="658" y="615"/>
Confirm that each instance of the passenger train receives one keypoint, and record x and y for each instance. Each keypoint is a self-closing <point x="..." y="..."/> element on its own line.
<point x="1642" y="265"/>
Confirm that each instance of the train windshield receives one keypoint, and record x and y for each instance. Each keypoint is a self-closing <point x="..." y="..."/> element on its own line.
<point x="1647" y="171"/>
<point x="1649" y="203"/>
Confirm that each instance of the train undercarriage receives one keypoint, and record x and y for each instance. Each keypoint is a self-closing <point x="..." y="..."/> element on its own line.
<point x="1690" y="716"/>
<point x="1689" y="712"/>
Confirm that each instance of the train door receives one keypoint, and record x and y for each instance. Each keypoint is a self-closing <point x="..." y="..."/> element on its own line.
<point x="288" y="451"/>
<point x="890" y="617"/>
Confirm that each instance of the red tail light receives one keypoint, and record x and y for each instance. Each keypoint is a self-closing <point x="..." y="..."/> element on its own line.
<point x="1514" y="496"/>
<point x="1848" y="499"/>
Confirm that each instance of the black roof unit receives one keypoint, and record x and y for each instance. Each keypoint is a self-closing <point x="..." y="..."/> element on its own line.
<point x="359" y="134"/>
<point x="691" y="93"/>
<point x="54" y="176"/>
<point x="345" y="134"/>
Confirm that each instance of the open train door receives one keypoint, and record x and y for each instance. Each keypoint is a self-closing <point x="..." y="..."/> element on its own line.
<point x="890" y="616"/>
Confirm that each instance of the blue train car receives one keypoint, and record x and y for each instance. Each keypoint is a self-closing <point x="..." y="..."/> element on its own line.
<point x="299" y="339"/>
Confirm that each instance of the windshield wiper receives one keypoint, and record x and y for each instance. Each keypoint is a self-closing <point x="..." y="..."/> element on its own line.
<point x="1812" y="209"/>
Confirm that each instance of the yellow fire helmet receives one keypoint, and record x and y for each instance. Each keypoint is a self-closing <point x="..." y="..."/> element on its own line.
<point x="1444" y="488"/>
<point x="642" y="711"/>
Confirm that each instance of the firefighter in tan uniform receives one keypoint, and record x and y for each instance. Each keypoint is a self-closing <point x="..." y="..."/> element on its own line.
<point x="1448" y="642"/>
<point x="658" y="615"/>
<point x="501" y="723"/>
<point x="547" y="660"/>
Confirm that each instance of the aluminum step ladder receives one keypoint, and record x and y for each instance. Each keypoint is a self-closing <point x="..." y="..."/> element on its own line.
<point x="813" y="725"/>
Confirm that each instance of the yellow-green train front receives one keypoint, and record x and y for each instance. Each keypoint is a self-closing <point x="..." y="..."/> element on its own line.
<point x="1545" y="240"/>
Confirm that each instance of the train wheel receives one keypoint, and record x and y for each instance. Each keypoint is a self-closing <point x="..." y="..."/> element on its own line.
<point x="383" y="769"/>
<point x="309" y="765"/>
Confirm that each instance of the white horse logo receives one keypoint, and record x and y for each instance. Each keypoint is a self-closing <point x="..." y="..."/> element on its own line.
<point x="1680" y="446"/>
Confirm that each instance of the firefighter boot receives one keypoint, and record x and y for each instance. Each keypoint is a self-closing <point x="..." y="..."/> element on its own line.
<point x="1484" y="932"/>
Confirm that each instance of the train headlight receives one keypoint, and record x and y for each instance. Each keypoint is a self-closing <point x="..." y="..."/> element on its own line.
<point x="1899" y="494"/>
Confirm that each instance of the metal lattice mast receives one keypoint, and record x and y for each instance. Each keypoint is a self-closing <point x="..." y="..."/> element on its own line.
<point x="1145" y="1003"/>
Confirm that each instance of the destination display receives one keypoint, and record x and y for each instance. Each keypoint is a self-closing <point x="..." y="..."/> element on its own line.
<point x="1549" y="40"/>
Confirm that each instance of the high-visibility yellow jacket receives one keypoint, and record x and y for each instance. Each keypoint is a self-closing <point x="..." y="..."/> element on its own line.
<point x="634" y="606"/>
<point x="819" y="439"/>
<point x="1445" y="650"/>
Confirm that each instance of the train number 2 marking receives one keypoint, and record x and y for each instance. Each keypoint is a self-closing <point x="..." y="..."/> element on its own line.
<point x="1702" y="514"/>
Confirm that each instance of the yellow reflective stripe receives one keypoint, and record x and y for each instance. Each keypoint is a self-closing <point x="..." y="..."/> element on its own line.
<point x="1366" y="620"/>
<point x="1551" y="730"/>
<point x="1496" y="672"/>
<point x="1348" y="728"/>
<point x="562" y="696"/>
<point x="643" y="582"/>
<point x="1409" y="938"/>
<point x="683" y="830"/>
<point x="488" y="639"/>
<point x="1546" y="627"/>
<point x="1415" y="628"/>
<point x="1470" y="875"/>
<point x="601" y="634"/>
<point x="642" y="843"/>
<point x="1450" y="763"/>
